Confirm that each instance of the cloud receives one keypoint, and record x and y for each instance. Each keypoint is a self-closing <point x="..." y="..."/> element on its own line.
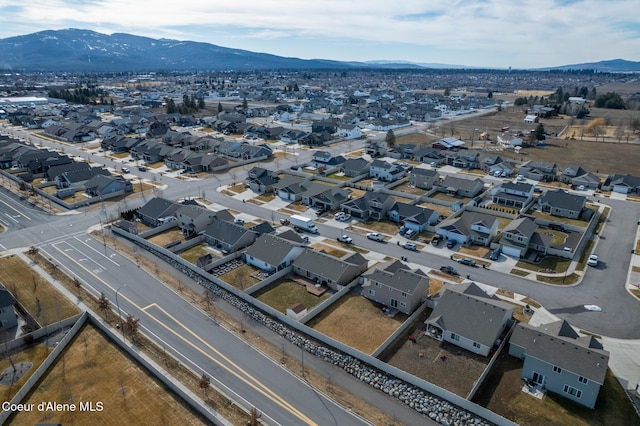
<point x="518" y="32"/>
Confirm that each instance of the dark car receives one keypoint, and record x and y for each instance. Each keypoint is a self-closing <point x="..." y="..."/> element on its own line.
<point x="556" y="227"/>
<point x="451" y="244"/>
<point x="495" y="255"/>
<point x="142" y="168"/>
<point x="467" y="261"/>
<point x="449" y="270"/>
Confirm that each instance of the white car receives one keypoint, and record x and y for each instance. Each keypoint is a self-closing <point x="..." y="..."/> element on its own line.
<point x="593" y="260"/>
<point x="375" y="236"/>
<point x="339" y="216"/>
<point x="345" y="239"/>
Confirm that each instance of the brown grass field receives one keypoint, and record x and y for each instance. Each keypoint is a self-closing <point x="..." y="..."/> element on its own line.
<point x="166" y="237"/>
<point x="93" y="369"/>
<point x="286" y="293"/>
<point x="35" y="354"/>
<point x="34" y="293"/>
<point x="368" y="327"/>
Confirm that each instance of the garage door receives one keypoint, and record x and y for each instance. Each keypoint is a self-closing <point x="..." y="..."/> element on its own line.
<point x="511" y="251"/>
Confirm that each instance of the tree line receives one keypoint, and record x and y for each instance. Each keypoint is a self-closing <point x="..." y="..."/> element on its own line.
<point x="189" y="105"/>
<point x="87" y="95"/>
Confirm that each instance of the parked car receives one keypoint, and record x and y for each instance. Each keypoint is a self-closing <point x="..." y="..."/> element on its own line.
<point x="238" y="221"/>
<point x="345" y="239"/>
<point x="556" y="227"/>
<point x="339" y="216"/>
<point x="433" y="164"/>
<point x="467" y="261"/>
<point x="411" y="233"/>
<point x="436" y="240"/>
<point x="580" y="188"/>
<point x="142" y="168"/>
<point x="451" y="244"/>
<point x="410" y="246"/>
<point x="126" y="170"/>
<point x="495" y="255"/>
<point x="593" y="260"/>
<point x="449" y="270"/>
<point x="520" y="178"/>
<point x="375" y="236"/>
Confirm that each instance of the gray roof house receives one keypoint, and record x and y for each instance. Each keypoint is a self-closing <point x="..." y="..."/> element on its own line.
<point x="396" y="286"/>
<point x="624" y="184"/>
<point x="329" y="199"/>
<point x="228" y="236"/>
<point x="194" y="219"/>
<point x="271" y="253"/>
<point x="101" y="185"/>
<point x="469" y="227"/>
<point x="423" y="178"/>
<point x="466" y="316"/>
<point x="355" y="167"/>
<point x="520" y="235"/>
<point x="515" y="195"/>
<point x="561" y="361"/>
<point x="561" y="203"/>
<point x="539" y="170"/>
<point x="8" y="316"/>
<point x="413" y="217"/>
<point x="157" y="211"/>
<point x="461" y="186"/>
<point x="372" y="205"/>
<point x="262" y="180"/>
<point x="328" y="270"/>
<point x="385" y="171"/>
<point x="290" y="187"/>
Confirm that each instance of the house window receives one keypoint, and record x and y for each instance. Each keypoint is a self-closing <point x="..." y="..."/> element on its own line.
<point x="557" y="369"/>
<point x="394" y="303"/>
<point x="378" y="285"/>
<point x="404" y="294"/>
<point x="455" y="337"/>
<point x="476" y="345"/>
<point x="572" y="391"/>
<point x="403" y="304"/>
<point x="372" y="292"/>
<point x="583" y="380"/>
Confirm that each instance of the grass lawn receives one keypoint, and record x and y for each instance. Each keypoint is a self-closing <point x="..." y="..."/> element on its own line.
<point x="330" y="250"/>
<point x="519" y="272"/>
<point x="286" y="293"/>
<point x="442" y="210"/>
<point x="191" y="255"/>
<point x="35" y="354"/>
<point x="237" y="188"/>
<point x="34" y="293"/>
<point x="240" y="277"/>
<point x="167" y="237"/>
<point x="478" y="251"/>
<point x="502" y="394"/>
<point x="383" y="226"/>
<point x="406" y="187"/>
<point x="357" y="322"/>
<point x="120" y="154"/>
<point x="557" y="237"/>
<point x="557" y="264"/>
<point x="266" y="197"/>
<point x="562" y="280"/>
<point x="547" y="216"/>
<point x="442" y="196"/>
<point x="338" y="176"/>
<point x="96" y="370"/>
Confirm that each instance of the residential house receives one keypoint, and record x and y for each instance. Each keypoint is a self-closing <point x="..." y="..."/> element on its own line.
<point x="520" y="235"/>
<point x="448" y="143"/>
<point x="8" y="317"/>
<point x="385" y="171"/>
<point x="489" y="160"/>
<point x="102" y="185"/>
<point x="329" y="199"/>
<point x="623" y="184"/>
<point x="469" y="228"/>
<point x="372" y="205"/>
<point x="326" y="159"/>
<point x="462" y="187"/>
<point x="427" y="154"/>
<point x="515" y="195"/>
<point x="413" y="217"/>
<point x="262" y="180"/>
<point x="157" y="211"/>
<point x="561" y="203"/>
<point x="423" y="178"/>
<point x="290" y="188"/>
<point x="228" y="236"/>
<point x="328" y="270"/>
<point x="558" y="359"/>
<point x="466" y="316"/>
<point x="349" y="131"/>
<point x="193" y="219"/>
<point x="504" y="169"/>
<point x="588" y="180"/>
<point x="396" y="286"/>
<point x="539" y="170"/>
<point x="463" y="159"/>
<point x="375" y="148"/>
<point x="74" y="175"/>
<point x="272" y="253"/>
<point x="354" y="167"/>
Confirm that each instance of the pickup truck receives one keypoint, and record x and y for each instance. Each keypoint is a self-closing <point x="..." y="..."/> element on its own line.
<point x="375" y="236"/>
<point x="345" y="239"/>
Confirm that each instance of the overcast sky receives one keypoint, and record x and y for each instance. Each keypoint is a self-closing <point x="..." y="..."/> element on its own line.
<point x="486" y="33"/>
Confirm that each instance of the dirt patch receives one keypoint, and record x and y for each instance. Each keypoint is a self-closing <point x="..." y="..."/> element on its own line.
<point x="329" y="250"/>
<point x="368" y="326"/>
<point x="477" y="251"/>
<point x="440" y="363"/>
<point x="35" y="294"/>
<point x="15" y="372"/>
<point x="93" y="369"/>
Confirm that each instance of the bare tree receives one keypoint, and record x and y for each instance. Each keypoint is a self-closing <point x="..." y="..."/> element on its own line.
<point x="104" y="305"/>
<point x="131" y="326"/>
<point x="78" y="285"/>
<point x="204" y="384"/>
<point x="255" y="416"/>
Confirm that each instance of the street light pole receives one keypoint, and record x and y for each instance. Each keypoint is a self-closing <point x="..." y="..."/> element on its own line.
<point x="120" y="313"/>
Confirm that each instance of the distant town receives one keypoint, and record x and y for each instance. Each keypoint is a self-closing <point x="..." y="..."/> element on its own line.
<point x="446" y="246"/>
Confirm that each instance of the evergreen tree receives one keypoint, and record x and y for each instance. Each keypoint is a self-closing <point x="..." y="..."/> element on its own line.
<point x="220" y="109"/>
<point x="390" y="139"/>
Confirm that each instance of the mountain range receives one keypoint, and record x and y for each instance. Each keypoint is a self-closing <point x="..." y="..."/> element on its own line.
<point x="77" y="50"/>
